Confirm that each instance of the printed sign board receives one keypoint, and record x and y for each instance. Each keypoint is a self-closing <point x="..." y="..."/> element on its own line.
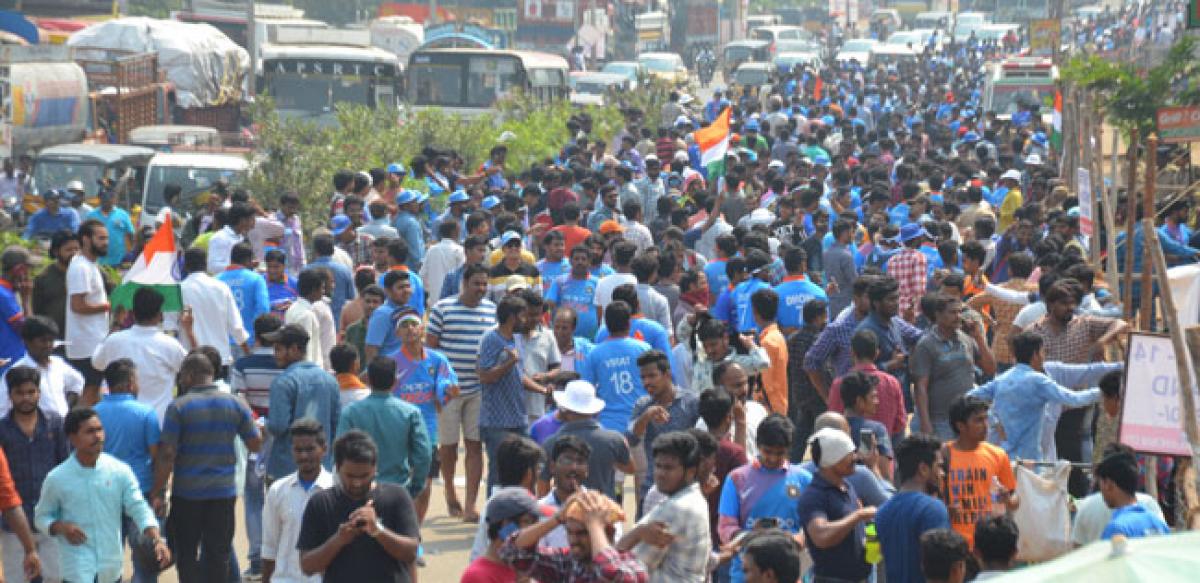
<point x="1151" y="418"/>
<point x="1084" y="181"/>
<point x="1044" y="36"/>
<point x="1178" y="124"/>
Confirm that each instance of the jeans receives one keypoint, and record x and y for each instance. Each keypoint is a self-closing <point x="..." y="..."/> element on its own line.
<point x="202" y="526"/>
<point x="144" y="570"/>
<point x="13" y="562"/>
<point x="252" y="504"/>
<point x="492" y="436"/>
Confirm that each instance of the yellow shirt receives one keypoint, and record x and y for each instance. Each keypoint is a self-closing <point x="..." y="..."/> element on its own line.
<point x="1008" y="209"/>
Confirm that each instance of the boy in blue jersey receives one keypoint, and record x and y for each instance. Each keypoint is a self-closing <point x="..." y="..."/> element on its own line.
<point x="612" y="368"/>
<point x="1117" y="476"/>
<point x="425" y="379"/>
<point x="795" y="290"/>
<point x="576" y="290"/>
<point x="381" y="328"/>
<point x="248" y="287"/>
<point x="714" y="270"/>
<point x="735" y="273"/>
<point x="757" y="266"/>
<point x="763" y="493"/>
<point x="553" y="265"/>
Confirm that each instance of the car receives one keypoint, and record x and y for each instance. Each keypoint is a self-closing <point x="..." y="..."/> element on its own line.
<point x="917" y="39"/>
<point x="666" y="66"/>
<point x="774" y="34"/>
<point x="632" y="71"/>
<point x="785" y="62"/>
<point x="891" y="55"/>
<point x="933" y="19"/>
<point x="967" y="22"/>
<point x="195" y="172"/>
<point x="857" y="49"/>
<point x="756" y="78"/>
<point x="589" y="88"/>
<point x="800" y="46"/>
<point x="743" y="51"/>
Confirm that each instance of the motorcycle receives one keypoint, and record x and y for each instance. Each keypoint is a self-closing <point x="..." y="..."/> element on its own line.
<point x="705" y="68"/>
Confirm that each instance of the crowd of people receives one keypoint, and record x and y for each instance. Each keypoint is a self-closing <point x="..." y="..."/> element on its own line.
<point x="822" y="353"/>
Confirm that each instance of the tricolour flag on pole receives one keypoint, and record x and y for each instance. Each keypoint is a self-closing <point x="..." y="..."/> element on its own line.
<point x="156" y="267"/>
<point x="713" y="140"/>
<point x="1056" y="122"/>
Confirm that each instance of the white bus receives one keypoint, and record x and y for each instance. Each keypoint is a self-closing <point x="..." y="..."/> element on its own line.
<point x="309" y="71"/>
<point x="468" y="82"/>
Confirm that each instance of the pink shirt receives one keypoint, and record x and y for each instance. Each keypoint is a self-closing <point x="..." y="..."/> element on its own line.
<point x="890" y="412"/>
<point x="485" y="570"/>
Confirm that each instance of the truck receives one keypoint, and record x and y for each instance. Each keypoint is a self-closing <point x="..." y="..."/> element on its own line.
<point x="653" y="31"/>
<point x="45" y="99"/>
<point x="693" y="25"/>
<point x="126" y="92"/>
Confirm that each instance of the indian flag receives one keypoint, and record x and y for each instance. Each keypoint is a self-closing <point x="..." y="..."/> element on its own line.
<point x="1056" y="122"/>
<point x="714" y="139"/>
<point x="156" y="268"/>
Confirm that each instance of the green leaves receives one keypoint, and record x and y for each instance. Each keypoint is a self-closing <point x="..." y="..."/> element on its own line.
<point x="1130" y="95"/>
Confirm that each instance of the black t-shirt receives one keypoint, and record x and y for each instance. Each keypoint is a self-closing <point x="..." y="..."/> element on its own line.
<point x="364" y="559"/>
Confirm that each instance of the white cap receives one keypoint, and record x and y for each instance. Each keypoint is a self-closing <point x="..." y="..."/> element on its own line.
<point x="835" y="445"/>
<point x="1034" y="159"/>
<point x="776" y="164"/>
<point x="579" y="397"/>
<point x="1011" y="175"/>
<point x="680" y="156"/>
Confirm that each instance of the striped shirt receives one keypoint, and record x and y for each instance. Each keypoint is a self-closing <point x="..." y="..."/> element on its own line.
<point x="202" y="425"/>
<point x="459" y="329"/>
<point x="252" y="376"/>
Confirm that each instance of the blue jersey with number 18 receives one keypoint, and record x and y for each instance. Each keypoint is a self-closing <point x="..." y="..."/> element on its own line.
<point x="612" y="367"/>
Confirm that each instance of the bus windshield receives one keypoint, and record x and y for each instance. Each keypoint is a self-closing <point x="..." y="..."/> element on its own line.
<point x="194" y="182"/>
<point x="448" y="80"/>
<point x="316" y="95"/>
<point x="1008" y="99"/>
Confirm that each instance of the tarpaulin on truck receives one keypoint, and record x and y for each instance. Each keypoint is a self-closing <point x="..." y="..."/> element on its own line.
<point x="206" y="67"/>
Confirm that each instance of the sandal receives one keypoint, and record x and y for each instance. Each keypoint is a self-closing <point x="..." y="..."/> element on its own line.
<point x="455" y="509"/>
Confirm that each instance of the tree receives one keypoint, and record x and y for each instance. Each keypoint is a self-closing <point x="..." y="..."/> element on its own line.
<point x="1132" y="97"/>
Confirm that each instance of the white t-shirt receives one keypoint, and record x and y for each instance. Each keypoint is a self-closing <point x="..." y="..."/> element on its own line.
<point x="85" y="331"/>
<point x="606" y="285"/>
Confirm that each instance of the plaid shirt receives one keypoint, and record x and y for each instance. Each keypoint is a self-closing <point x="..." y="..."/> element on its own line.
<point x="686" y="514"/>
<point x="29" y="460"/>
<point x="833" y="343"/>
<point x="802" y="395"/>
<point x="1073" y="343"/>
<point x="359" y="248"/>
<point x="909" y="267"/>
<point x="558" y="565"/>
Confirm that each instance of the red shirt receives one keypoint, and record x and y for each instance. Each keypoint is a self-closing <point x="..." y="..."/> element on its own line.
<point x="485" y="570"/>
<point x="559" y="197"/>
<point x="890" y="412"/>
<point x="572" y="236"/>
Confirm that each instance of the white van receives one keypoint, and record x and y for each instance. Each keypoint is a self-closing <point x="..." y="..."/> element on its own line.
<point x="195" y="173"/>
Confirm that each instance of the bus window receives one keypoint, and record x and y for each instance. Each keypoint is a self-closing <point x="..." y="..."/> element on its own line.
<point x="437" y="84"/>
<point x="490" y="79"/>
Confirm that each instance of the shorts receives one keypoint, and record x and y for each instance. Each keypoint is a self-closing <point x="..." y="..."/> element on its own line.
<point x="91" y="376"/>
<point x="460" y="415"/>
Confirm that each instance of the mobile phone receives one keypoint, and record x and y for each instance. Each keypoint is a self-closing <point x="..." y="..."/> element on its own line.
<point x="866" y="442"/>
<point x="766" y="522"/>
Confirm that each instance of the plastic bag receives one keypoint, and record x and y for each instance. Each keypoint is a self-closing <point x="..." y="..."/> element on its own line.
<point x="1044" y="514"/>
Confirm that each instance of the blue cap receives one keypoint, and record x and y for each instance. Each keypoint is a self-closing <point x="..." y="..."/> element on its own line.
<point x="970" y="137"/>
<point x="54" y="194"/>
<point x="396" y="168"/>
<point x="751" y="125"/>
<point x="1039" y="138"/>
<point x="509" y="237"/>
<point x="459" y="196"/>
<point x="912" y="231"/>
<point x="490" y="202"/>
<point x="422" y="197"/>
<point x="821" y="160"/>
<point x="339" y="224"/>
<point x="406" y="196"/>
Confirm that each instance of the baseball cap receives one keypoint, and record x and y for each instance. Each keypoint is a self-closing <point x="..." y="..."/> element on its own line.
<point x="290" y="334"/>
<point x="611" y="226"/>
<point x="751" y="125"/>
<point x="53" y="194"/>
<point x="339" y="224"/>
<point x="406" y="196"/>
<point x="835" y="445"/>
<point x="682" y="121"/>
<point x="509" y="237"/>
<point x="458" y="196"/>
<point x="515" y="282"/>
<point x="508" y="504"/>
<point x="396" y="168"/>
<point x="1011" y="174"/>
<point x="14" y="256"/>
<point x="75" y="185"/>
<point x="912" y="231"/>
<point x="490" y="202"/>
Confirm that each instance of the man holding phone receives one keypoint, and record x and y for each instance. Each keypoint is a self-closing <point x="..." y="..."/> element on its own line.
<point x="764" y="493"/>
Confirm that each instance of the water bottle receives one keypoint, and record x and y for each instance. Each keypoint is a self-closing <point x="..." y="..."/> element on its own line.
<point x="999" y="508"/>
<point x="874" y="554"/>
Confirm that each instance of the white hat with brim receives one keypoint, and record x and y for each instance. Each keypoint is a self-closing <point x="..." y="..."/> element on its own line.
<point x="1011" y="175"/>
<point x="579" y="397"/>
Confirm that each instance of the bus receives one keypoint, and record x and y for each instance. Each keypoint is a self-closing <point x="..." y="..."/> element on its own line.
<point x="468" y="82"/>
<point x="1021" y="81"/>
<point x="309" y="71"/>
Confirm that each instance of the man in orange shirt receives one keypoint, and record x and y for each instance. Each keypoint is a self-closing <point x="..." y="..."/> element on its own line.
<point x="974" y="468"/>
<point x="14" y="519"/>
<point x="573" y="234"/>
<point x="765" y="305"/>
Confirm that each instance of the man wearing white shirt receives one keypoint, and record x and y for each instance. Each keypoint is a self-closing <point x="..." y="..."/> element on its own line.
<point x="156" y="355"/>
<point x="60" y="384"/>
<point x="240" y="219"/>
<point x="286" y="500"/>
<point x="87" y="306"/>
<point x="215" y="315"/>
<point x="442" y="258"/>
<point x="302" y="312"/>
<point x="622" y="256"/>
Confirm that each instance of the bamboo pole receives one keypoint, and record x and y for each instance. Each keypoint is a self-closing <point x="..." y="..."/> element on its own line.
<point x="1130" y="218"/>
<point x="1145" y="321"/>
